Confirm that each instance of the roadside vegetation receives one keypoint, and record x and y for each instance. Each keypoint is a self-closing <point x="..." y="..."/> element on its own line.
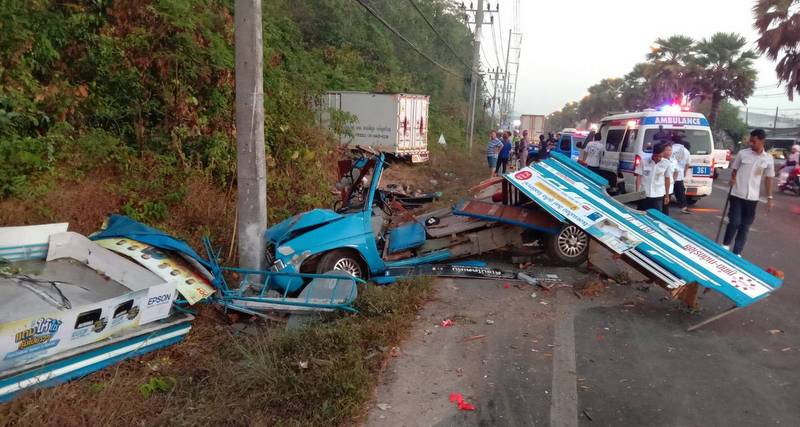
<point x="318" y="375"/>
<point x="127" y="106"/>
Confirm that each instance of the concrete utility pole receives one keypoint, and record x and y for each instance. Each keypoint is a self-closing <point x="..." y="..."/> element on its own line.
<point x="775" y="122"/>
<point x="497" y="73"/>
<point x="476" y="63"/>
<point x="504" y="96"/>
<point x="251" y="167"/>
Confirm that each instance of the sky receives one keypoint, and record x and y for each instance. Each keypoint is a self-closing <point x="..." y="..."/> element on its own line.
<point x="569" y="45"/>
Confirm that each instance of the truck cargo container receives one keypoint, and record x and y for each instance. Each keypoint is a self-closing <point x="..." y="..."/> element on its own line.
<point x="394" y="123"/>
<point x="533" y="123"/>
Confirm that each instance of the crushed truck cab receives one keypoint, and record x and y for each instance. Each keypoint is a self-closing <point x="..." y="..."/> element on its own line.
<point x="367" y="234"/>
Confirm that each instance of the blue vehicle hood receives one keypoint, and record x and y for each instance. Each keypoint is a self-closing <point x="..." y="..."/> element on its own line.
<point x="281" y="231"/>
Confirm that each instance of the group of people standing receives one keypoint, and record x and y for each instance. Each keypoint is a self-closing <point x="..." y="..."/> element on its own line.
<point x="505" y="147"/>
<point x="662" y="175"/>
<point x="666" y="169"/>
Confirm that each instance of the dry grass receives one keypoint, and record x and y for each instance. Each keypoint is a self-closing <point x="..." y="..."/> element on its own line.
<point x="453" y="169"/>
<point x="225" y="379"/>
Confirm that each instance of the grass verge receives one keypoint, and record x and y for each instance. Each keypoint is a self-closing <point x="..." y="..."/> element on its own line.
<point x="321" y="374"/>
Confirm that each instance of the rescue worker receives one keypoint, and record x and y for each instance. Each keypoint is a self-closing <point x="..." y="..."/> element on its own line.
<point x="667" y="156"/>
<point x="591" y="153"/>
<point x="653" y="176"/>
<point x="749" y="166"/>
<point x="680" y="158"/>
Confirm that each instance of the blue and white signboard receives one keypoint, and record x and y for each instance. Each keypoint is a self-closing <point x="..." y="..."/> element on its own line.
<point x="651" y="239"/>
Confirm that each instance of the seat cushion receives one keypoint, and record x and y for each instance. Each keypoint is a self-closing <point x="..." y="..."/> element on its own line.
<point x="406" y="236"/>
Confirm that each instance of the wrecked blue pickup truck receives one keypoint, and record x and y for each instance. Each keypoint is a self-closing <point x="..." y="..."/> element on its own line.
<point x="556" y="204"/>
<point x="367" y="234"/>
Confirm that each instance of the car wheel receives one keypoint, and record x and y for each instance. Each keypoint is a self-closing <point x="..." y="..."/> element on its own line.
<point x="342" y="260"/>
<point x="692" y="200"/>
<point x="569" y="247"/>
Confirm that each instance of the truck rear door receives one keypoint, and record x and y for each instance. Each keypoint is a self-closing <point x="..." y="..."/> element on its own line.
<point x="405" y="123"/>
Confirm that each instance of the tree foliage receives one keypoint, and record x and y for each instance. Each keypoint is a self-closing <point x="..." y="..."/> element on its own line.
<point x="157" y="77"/>
<point x="677" y="68"/>
<point x="778" y="22"/>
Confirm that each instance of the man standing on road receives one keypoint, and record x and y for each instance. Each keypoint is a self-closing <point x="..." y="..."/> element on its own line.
<point x="680" y="158"/>
<point x="749" y="166"/>
<point x="666" y="156"/>
<point x="592" y="152"/>
<point x="653" y="174"/>
<point x="504" y="154"/>
<point x="492" y="148"/>
<point x="522" y="154"/>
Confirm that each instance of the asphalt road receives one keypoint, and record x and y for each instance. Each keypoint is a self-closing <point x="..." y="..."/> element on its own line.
<point x="743" y="369"/>
<point x="620" y="358"/>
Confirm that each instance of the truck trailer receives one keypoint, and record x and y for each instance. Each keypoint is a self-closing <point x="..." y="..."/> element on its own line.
<point x="533" y="123"/>
<point x="393" y="123"/>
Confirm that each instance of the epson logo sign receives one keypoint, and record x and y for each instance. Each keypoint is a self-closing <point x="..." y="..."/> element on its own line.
<point x="160" y="299"/>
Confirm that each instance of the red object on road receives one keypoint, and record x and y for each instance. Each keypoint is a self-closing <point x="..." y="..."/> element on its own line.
<point x="447" y="323"/>
<point x="458" y="399"/>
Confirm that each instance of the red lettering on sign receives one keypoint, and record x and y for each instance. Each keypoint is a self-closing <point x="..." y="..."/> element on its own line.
<point x="523" y="175"/>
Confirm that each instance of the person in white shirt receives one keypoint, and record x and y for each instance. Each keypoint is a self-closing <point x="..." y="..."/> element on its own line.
<point x="654" y="176"/>
<point x="666" y="156"/>
<point x="592" y="152"/>
<point x="680" y="157"/>
<point x="749" y="166"/>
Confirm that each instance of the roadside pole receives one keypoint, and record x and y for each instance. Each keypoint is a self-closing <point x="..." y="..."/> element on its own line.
<point x="494" y="96"/>
<point x="504" y="95"/>
<point x="476" y="63"/>
<point x="251" y="169"/>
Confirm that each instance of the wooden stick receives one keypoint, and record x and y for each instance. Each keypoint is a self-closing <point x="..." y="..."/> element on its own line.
<point x="233" y="233"/>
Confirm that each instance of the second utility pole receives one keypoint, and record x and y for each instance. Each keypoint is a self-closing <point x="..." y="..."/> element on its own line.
<point x="476" y="63"/>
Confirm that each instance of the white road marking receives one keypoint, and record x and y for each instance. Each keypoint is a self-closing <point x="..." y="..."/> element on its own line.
<point x="564" y="403"/>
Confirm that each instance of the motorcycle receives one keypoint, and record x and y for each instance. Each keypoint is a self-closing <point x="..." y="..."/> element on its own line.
<point x="792" y="183"/>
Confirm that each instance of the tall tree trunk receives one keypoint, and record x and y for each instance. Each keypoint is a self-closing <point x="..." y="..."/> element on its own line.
<point x="716" y="100"/>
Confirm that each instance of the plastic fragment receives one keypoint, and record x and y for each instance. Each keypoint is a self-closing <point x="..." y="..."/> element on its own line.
<point x="447" y="323"/>
<point x="458" y="399"/>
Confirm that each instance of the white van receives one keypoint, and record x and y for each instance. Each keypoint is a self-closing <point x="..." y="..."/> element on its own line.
<point x="629" y="140"/>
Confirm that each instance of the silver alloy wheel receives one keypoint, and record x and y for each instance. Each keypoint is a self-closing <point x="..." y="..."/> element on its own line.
<point x="350" y="266"/>
<point x="572" y="241"/>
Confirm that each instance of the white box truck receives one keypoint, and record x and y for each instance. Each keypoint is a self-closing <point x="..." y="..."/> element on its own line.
<point x="533" y="123"/>
<point x="394" y="123"/>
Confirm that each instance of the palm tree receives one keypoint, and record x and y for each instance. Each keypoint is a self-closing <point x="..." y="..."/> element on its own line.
<point x="671" y="72"/>
<point x="725" y="71"/>
<point x="778" y="22"/>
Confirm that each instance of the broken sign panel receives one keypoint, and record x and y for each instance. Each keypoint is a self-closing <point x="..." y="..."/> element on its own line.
<point x="668" y="249"/>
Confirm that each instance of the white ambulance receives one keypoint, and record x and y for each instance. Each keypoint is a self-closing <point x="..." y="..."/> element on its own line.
<point x="629" y="139"/>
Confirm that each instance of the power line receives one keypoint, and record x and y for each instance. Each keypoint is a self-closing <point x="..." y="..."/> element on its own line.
<point x="401" y="37"/>
<point x="500" y="30"/>
<point x="446" y="43"/>
<point x="494" y="45"/>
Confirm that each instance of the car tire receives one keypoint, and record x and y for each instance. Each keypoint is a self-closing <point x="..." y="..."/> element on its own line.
<point x="569" y="246"/>
<point x="692" y="200"/>
<point x="342" y="260"/>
